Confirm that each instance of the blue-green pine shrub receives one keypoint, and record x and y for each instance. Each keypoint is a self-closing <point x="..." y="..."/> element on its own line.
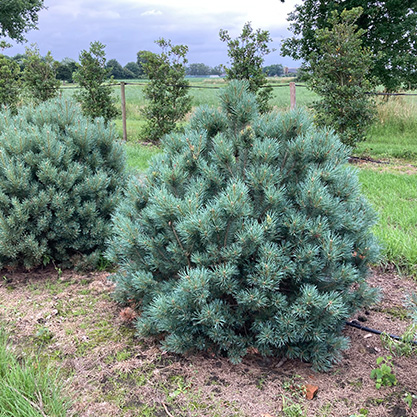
<point x="61" y="175"/>
<point x="248" y="233"/>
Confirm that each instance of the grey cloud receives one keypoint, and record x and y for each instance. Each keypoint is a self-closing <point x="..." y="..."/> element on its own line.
<point x="125" y="27"/>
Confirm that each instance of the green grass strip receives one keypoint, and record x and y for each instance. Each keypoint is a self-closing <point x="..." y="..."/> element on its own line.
<point x="394" y="197"/>
<point x="138" y="156"/>
<point x="28" y="389"/>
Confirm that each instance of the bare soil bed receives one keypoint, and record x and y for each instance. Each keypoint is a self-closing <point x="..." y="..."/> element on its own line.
<point x="70" y="320"/>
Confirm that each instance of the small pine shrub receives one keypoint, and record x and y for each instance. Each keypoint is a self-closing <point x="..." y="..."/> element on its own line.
<point x="60" y="180"/>
<point x="249" y="233"/>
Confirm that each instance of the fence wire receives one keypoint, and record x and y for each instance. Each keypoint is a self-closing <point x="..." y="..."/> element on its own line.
<point x="372" y="93"/>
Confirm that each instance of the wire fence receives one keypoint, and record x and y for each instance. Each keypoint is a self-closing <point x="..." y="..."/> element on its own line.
<point x="292" y="87"/>
<point x="373" y="93"/>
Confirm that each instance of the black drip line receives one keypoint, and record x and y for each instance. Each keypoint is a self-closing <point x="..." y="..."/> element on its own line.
<point x="357" y="325"/>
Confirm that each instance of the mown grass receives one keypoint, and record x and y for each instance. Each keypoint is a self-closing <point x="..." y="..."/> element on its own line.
<point x="394" y="133"/>
<point x="27" y="389"/>
<point x="394" y="196"/>
<point x="138" y="156"/>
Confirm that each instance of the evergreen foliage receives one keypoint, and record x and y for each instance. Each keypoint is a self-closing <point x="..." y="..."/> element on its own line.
<point x="60" y="179"/>
<point x="248" y="232"/>
<point x="39" y="75"/>
<point x="390" y="33"/>
<point x="9" y="82"/>
<point x="246" y="54"/>
<point x="95" y="96"/>
<point x="166" y="92"/>
<point x="339" y="72"/>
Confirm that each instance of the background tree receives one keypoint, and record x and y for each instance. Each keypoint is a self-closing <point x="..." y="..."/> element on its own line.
<point x="96" y="96"/>
<point x="167" y="95"/>
<point x="141" y="60"/>
<point x="127" y="74"/>
<point x="18" y="17"/>
<point x="9" y="83"/>
<point x="246" y="54"/>
<point x="198" y="69"/>
<point x="217" y="70"/>
<point x="339" y="72"/>
<point x="275" y="70"/>
<point x="390" y="34"/>
<point x="20" y="60"/>
<point x="134" y="69"/>
<point x="65" y="69"/>
<point x="115" y="69"/>
<point x="39" y="75"/>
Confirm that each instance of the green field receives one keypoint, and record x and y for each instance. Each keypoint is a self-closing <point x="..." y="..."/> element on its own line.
<point x="202" y="91"/>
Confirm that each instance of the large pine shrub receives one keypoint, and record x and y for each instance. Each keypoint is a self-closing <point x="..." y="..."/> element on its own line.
<point x="60" y="179"/>
<point x="248" y="232"/>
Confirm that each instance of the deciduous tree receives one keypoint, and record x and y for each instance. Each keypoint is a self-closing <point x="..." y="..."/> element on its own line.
<point x="9" y="83"/>
<point x="65" y="69"/>
<point x="115" y="69"/>
<point x="390" y="33"/>
<point x="339" y="72"/>
<point x="198" y="69"/>
<point x="18" y="17"/>
<point x="141" y="60"/>
<point x="246" y="54"/>
<point x="167" y="95"/>
<point x="39" y="76"/>
<point x="273" y="70"/>
<point x="134" y="69"/>
<point x="96" y="95"/>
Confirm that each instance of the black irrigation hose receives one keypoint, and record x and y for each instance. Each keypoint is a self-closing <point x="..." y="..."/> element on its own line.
<point x="357" y="325"/>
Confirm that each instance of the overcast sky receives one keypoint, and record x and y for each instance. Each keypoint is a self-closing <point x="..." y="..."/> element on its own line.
<point x="126" y="26"/>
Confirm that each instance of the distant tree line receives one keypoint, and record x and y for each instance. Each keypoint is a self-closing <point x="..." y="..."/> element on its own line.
<point x="134" y="70"/>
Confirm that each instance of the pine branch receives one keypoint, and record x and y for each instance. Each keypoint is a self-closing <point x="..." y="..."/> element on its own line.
<point x="181" y="246"/>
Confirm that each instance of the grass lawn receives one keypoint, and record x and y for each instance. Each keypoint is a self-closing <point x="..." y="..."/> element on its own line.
<point x="138" y="156"/>
<point x="27" y="388"/>
<point x="394" y="196"/>
<point x="394" y="133"/>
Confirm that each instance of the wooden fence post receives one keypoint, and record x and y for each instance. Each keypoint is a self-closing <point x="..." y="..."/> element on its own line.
<point x="123" y="95"/>
<point x="292" y="95"/>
